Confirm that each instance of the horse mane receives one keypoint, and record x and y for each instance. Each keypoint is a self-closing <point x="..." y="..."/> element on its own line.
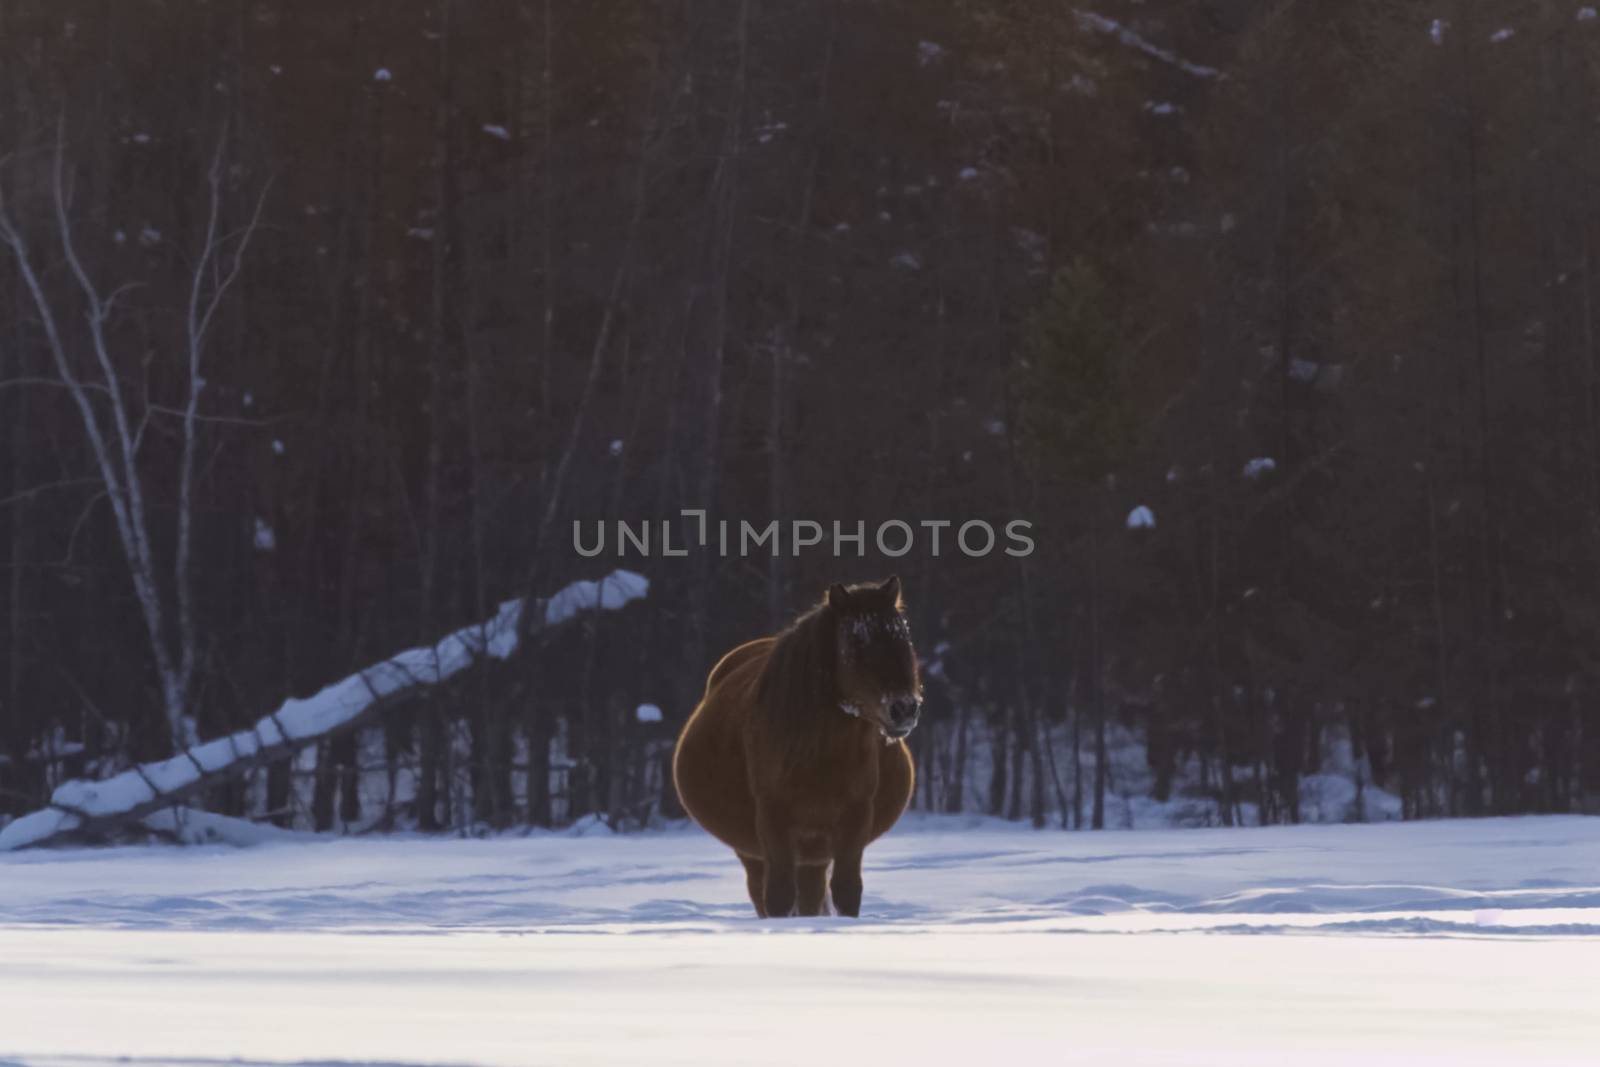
<point x="801" y="674"/>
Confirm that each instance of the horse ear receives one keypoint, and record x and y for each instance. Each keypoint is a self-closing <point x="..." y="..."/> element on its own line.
<point x="838" y="598"/>
<point x="891" y="589"/>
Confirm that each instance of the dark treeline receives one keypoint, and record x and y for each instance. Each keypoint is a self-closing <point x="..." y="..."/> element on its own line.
<point x="321" y="323"/>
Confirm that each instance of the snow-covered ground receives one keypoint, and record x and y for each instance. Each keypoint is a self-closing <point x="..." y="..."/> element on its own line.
<point x="1446" y="942"/>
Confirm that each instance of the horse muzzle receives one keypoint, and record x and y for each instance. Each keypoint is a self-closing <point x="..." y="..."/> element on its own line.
<point x="902" y="713"/>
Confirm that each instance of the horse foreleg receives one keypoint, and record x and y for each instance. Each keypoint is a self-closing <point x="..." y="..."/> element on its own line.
<point x="849" y="841"/>
<point x="755" y="875"/>
<point x="847" y="883"/>
<point x="777" y="849"/>
<point x="813" y="889"/>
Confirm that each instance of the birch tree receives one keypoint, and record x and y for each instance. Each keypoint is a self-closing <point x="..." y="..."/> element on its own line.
<point x="92" y="364"/>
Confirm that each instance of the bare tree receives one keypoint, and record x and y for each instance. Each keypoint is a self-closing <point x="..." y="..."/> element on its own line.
<point x="115" y="419"/>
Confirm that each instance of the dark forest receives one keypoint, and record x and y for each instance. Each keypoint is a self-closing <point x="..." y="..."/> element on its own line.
<point x="321" y="324"/>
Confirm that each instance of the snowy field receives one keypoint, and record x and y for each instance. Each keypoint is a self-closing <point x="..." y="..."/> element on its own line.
<point x="1431" y="943"/>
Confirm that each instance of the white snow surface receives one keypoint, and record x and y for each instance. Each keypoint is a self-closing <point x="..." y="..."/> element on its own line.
<point x="1464" y="942"/>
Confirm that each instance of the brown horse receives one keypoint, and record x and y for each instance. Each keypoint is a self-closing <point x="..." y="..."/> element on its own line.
<point x="795" y="758"/>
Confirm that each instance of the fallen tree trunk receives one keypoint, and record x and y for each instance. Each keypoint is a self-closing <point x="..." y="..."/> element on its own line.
<point x="88" y="809"/>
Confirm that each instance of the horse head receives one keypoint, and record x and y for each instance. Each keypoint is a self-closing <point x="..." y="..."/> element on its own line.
<point x="876" y="666"/>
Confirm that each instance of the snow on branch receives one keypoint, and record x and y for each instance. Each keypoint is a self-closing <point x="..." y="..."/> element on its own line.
<point x="1102" y="24"/>
<point x="89" y="807"/>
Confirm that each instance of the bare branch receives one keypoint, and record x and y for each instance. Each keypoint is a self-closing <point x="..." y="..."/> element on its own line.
<point x="77" y="527"/>
<point x="115" y="294"/>
<point x="33" y="491"/>
<point x="200" y="314"/>
<point x="56" y="383"/>
<point x="230" y="420"/>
